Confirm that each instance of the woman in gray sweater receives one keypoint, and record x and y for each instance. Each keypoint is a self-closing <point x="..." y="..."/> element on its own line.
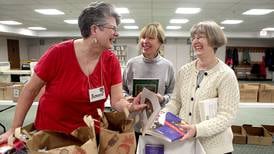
<point x="150" y="64"/>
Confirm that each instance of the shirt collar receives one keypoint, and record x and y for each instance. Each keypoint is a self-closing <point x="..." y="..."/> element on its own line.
<point x="153" y="60"/>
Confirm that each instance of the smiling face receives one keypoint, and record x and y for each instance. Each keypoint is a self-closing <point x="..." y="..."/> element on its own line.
<point x="106" y="33"/>
<point x="151" y="39"/>
<point x="150" y="46"/>
<point x="200" y="45"/>
<point x="207" y="37"/>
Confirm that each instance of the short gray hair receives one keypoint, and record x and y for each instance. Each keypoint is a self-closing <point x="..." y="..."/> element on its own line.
<point x="214" y="33"/>
<point x="95" y="14"/>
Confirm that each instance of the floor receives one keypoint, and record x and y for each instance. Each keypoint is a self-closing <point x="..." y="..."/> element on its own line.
<point x="255" y="117"/>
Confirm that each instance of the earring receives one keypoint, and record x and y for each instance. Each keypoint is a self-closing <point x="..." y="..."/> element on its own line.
<point x="94" y="40"/>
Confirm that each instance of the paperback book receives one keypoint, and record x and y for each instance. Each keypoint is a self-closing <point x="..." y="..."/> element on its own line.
<point x="208" y="108"/>
<point x="154" y="149"/>
<point x="164" y="125"/>
<point x="167" y="126"/>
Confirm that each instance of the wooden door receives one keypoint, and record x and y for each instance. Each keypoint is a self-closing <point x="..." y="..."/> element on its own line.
<point x="13" y="53"/>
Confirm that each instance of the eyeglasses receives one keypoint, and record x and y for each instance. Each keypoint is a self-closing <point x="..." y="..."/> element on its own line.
<point x="198" y="37"/>
<point x="114" y="28"/>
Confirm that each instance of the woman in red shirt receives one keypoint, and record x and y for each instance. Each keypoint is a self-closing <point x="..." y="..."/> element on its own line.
<point x="78" y="76"/>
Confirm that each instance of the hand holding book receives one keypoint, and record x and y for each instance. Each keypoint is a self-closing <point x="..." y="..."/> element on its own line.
<point x="164" y="125"/>
<point x="169" y="126"/>
<point x="190" y="131"/>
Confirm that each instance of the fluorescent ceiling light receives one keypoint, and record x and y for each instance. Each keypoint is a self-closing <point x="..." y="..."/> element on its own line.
<point x="49" y="11"/>
<point x="231" y="22"/>
<point x="122" y="10"/>
<point x="131" y="27"/>
<point x="178" y="21"/>
<point x="173" y="27"/>
<point x="222" y="27"/>
<point x="10" y="22"/>
<point x="127" y="21"/>
<point x="268" y="29"/>
<point x="263" y="33"/>
<point x="25" y="32"/>
<point x="37" y="28"/>
<point x="187" y="10"/>
<point x="258" y="11"/>
<point x="71" y="21"/>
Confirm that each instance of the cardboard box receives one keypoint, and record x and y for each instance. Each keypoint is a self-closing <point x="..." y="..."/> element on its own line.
<point x="12" y="91"/>
<point x="248" y="93"/>
<point x="270" y="129"/>
<point x="6" y="91"/>
<point x="266" y="93"/>
<point x="2" y="89"/>
<point x="239" y="134"/>
<point x="16" y="91"/>
<point x="258" y="135"/>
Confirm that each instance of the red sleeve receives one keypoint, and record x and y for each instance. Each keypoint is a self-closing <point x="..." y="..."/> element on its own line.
<point x="47" y="66"/>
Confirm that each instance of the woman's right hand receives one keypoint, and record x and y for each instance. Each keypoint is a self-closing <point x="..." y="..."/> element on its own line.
<point x="5" y="136"/>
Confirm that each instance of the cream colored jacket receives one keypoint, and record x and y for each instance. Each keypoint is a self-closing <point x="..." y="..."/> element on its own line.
<point x="215" y="134"/>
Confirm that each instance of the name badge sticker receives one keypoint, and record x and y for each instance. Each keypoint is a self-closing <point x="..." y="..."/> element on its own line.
<point x="97" y="94"/>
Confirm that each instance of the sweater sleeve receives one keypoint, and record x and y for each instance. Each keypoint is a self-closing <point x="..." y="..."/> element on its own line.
<point x="228" y="100"/>
<point x="169" y="86"/>
<point x="174" y="104"/>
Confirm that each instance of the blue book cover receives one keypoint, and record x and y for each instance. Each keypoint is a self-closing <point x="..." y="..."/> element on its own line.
<point x="170" y="117"/>
<point x="154" y="149"/>
<point x="168" y="132"/>
<point x="167" y="125"/>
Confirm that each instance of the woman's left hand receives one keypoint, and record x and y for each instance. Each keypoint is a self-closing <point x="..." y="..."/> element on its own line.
<point x="190" y="131"/>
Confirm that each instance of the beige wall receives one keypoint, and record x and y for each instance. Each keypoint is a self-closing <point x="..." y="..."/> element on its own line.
<point x="176" y="49"/>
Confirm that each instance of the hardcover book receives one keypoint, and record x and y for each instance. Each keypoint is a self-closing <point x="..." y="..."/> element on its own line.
<point x="140" y="83"/>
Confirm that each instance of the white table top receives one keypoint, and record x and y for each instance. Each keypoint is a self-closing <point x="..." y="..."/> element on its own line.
<point x="257" y="105"/>
<point x="16" y="72"/>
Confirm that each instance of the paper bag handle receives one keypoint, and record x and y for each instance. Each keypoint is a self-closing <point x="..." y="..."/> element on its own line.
<point x="88" y="121"/>
<point x="22" y="134"/>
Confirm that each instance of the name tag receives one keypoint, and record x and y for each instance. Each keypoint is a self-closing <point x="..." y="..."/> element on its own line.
<point x="97" y="94"/>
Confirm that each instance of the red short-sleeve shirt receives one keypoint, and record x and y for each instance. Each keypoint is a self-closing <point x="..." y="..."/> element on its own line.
<point x="66" y="99"/>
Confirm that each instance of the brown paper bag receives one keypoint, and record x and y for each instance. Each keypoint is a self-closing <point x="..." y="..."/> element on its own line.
<point x="81" y="140"/>
<point x="116" y="134"/>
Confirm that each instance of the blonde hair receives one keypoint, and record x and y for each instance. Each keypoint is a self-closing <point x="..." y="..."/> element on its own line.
<point x="154" y="30"/>
<point x="214" y="33"/>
